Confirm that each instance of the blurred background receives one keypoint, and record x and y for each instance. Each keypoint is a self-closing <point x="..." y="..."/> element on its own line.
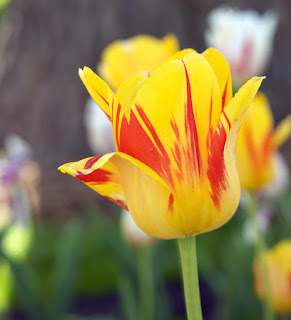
<point x="74" y="262"/>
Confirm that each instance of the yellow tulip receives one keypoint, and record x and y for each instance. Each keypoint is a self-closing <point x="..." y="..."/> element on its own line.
<point x="175" y="131"/>
<point x="257" y="145"/>
<point x="278" y="261"/>
<point x="122" y="58"/>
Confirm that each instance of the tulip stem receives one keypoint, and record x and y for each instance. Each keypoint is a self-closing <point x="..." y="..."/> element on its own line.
<point x="146" y="283"/>
<point x="260" y="252"/>
<point x="187" y="248"/>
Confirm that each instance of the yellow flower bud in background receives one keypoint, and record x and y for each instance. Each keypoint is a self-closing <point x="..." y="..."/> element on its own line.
<point x="279" y="271"/>
<point x="257" y="157"/>
<point x="122" y="58"/>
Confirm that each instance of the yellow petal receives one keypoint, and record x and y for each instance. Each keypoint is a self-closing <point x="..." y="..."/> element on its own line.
<point x="238" y="106"/>
<point x="172" y="43"/>
<point x="279" y="271"/>
<point x="180" y="54"/>
<point x="222" y="72"/>
<point x="167" y="128"/>
<point x="222" y="173"/>
<point x="127" y="91"/>
<point x="282" y="132"/>
<point x="123" y="58"/>
<point x="98" y="89"/>
<point x="132" y="185"/>
<point x="255" y="153"/>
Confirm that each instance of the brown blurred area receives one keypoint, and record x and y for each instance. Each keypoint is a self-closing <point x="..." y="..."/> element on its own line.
<point x="42" y="98"/>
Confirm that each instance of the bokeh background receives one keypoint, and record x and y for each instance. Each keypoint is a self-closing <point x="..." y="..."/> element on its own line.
<point x="43" y="43"/>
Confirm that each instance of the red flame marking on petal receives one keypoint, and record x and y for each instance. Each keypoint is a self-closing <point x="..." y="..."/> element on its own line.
<point x="98" y="176"/>
<point x="171" y="204"/>
<point x="91" y="161"/>
<point x="223" y="97"/>
<point x="227" y="120"/>
<point x="191" y="128"/>
<point x="216" y="167"/>
<point x="136" y="142"/>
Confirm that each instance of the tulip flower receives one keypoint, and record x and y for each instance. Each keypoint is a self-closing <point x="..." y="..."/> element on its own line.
<point x="258" y="162"/>
<point x="122" y="58"/>
<point x="278" y="260"/>
<point x="175" y="131"/>
<point x="245" y="39"/>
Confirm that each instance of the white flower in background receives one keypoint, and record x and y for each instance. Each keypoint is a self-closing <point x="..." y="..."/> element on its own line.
<point x="132" y="233"/>
<point x="99" y="129"/>
<point x="244" y="37"/>
<point x="263" y="216"/>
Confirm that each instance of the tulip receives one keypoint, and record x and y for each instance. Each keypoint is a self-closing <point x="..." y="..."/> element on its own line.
<point x="122" y="58"/>
<point x="175" y="131"/>
<point x="245" y="39"/>
<point x="258" y="163"/>
<point x="278" y="260"/>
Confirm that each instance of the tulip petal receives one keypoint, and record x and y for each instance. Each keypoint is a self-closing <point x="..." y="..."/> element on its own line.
<point x="122" y="58"/>
<point x="255" y="163"/>
<point x="98" y="89"/>
<point x="221" y="163"/>
<point x="282" y="132"/>
<point x="134" y="186"/>
<point x="222" y="71"/>
<point x="167" y="128"/>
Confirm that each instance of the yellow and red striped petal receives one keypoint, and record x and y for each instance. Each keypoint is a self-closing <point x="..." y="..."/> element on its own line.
<point x="222" y="71"/>
<point x="255" y="160"/>
<point x="172" y="119"/>
<point x="98" y="89"/>
<point x="221" y="162"/>
<point x="132" y="185"/>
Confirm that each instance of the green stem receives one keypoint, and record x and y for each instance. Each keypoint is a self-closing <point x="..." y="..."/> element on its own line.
<point x="260" y="252"/>
<point x="187" y="248"/>
<point x="146" y="284"/>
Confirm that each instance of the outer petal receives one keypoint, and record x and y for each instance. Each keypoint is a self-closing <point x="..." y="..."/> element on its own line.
<point x="98" y="89"/>
<point x="222" y="72"/>
<point x="222" y="172"/>
<point x="131" y="184"/>
<point x="171" y="122"/>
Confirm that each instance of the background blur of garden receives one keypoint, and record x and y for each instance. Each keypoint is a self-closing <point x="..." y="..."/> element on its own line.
<point x="63" y="255"/>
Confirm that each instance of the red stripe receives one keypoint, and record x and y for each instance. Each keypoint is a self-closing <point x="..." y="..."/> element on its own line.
<point x="171" y="204"/>
<point x="210" y="129"/>
<point x="227" y="120"/>
<point x="216" y="171"/>
<point x="135" y="141"/>
<point x="117" y="124"/>
<point x="190" y="126"/>
<point x="96" y="177"/>
<point x="223" y="97"/>
<point x="91" y="161"/>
